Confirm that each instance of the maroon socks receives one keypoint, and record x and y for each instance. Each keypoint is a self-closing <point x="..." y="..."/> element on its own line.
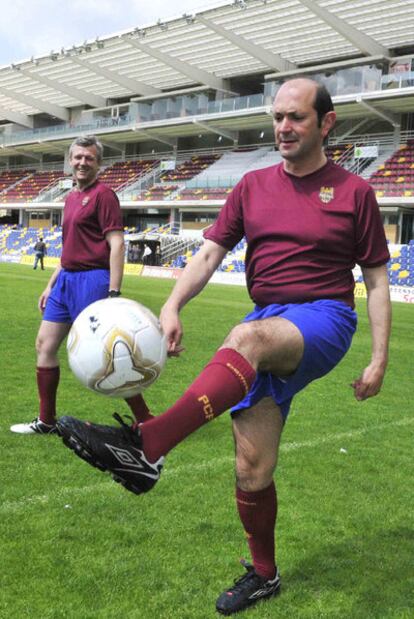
<point x="139" y="408"/>
<point x="222" y="384"/>
<point x="257" y="511"/>
<point x="47" y="384"/>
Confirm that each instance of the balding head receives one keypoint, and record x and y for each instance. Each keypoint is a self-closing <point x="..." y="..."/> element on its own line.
<point x="303" y="117"/>
<point x="313" y="91"/>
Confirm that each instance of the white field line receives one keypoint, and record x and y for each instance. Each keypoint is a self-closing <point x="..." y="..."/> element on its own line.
<point x="65" y="495"/>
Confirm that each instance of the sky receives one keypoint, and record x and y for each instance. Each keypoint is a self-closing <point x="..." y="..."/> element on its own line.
<point x="35" y="27"/>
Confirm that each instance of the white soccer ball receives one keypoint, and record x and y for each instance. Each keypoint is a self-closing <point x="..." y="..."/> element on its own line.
<point x="116" y="347"/>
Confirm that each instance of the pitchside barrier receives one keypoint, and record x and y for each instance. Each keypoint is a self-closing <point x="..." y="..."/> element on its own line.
<point x="129" y="269"/>
<point x="403" y="294"/>
<point x="50" y="263"/>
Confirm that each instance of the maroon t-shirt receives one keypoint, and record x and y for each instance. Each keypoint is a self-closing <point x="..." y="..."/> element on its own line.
<point x="304" y="235"/>
<point x="88" y="215"/>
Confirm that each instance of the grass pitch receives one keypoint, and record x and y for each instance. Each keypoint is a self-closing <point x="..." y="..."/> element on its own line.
<point x="75" y="545"/>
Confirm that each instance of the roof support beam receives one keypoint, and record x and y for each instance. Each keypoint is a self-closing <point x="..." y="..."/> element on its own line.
<point x="230" y="135"/>
<point x="136" y="87"/>
<point x="113" y="146"/>
<point x="351" y="128"/>
<point x="156" y="137"/>
<point x="391" y="118"/>
<point x="48" y="108"/>
<point x="197" y="75"/>
<point x="366" y="44"/>
<point x="51" y="147"/>
<point x="275" y="61"/>
<point x="16" y="117"/>
<point x="25" y="153"/>
<point x="84" y="97"/>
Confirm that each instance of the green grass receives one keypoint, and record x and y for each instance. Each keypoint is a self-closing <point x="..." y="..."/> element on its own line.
<point x="76" y="545"/>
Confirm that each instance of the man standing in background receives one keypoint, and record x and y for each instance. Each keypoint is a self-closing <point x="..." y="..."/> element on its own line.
<point x="91" y="268"/>
<point x="40" y="253"/>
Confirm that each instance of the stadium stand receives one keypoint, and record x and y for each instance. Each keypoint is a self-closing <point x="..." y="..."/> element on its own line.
<point x="30" y="186"/>
<point x="158" y="192"/>
<point x="204" y="194"/>
<point x="8" y="178"/>
<point x="340" y="153"/>
<point x="395" y="177"/>
<point x="123" y="173"/>
<point x="400" y="266"/>
<point x="229" y="169"/>
<point x="216" y="126"/>
<point x="20" y="241"/>
<point x="189" y="168"/>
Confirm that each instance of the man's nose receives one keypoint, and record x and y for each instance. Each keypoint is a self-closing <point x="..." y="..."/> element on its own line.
<point x="284" y="125"/>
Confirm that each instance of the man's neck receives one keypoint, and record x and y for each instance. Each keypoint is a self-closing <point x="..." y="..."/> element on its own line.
<point x="299" y="168"/>
<point x="83" y="186"/>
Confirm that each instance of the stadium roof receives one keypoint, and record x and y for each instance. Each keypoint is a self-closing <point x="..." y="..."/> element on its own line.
<point x="214" y="48"/>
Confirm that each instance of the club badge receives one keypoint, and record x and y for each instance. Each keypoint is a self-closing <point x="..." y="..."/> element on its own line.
<point x="326" y="194"/>
<point x="85" y="201"/>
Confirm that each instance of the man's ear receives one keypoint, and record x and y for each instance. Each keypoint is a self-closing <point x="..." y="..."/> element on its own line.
<point x="328" y="123"/>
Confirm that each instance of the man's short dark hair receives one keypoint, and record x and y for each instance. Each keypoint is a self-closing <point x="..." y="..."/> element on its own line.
<point x="323" y="102"/>
<point x="86" y="141"/>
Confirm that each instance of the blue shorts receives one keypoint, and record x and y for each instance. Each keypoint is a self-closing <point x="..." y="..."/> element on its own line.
<point x="73" y="291"/>
<point x="327" y="328"/>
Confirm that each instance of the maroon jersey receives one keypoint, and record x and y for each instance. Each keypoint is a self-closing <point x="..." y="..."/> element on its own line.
<point x="304" y="235"/>
<point x="87" y="217"/>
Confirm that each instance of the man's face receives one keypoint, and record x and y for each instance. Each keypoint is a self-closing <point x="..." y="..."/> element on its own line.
<point x="84" y="163"/>
<point x="295" y="122"/>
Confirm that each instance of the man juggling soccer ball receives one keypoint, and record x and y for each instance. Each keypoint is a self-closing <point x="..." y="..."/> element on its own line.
<point x="307" y="223"/>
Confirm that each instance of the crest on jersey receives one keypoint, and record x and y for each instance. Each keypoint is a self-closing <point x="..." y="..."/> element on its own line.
<point x="326" y="194"/>
<point x="85" y="201"/>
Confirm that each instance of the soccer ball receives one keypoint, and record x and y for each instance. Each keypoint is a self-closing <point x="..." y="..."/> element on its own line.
<point x="116" y="347"/>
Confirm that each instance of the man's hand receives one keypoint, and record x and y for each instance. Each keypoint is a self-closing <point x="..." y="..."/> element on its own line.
<point x="172" y="329"/>
<point x="379" y="315"/>
<point x="369" y="383"/>
<point x="43" y="299"/>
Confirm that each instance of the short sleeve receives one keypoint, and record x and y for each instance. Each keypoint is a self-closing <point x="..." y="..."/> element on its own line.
<point x="109" y="212"/>
<point x="228" y="228"/>
<point x="371" y="243"/>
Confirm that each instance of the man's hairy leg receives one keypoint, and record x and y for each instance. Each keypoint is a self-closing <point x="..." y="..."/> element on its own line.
<point x="273" y="344"/>
<point x="257" y="432"/>
<point x="48" y="341"/>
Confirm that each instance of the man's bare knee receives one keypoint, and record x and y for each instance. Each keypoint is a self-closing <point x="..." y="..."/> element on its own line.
<point x="46" y="344"/>
<point x="254" y="469"/>
<point x="257" y="433"/>
<point x="48" y="341"/>
<point x="238" y="336"/>
<point x="243" y="338"/>
<point x="38" y="345"/>
<point x="270" y="345"/>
